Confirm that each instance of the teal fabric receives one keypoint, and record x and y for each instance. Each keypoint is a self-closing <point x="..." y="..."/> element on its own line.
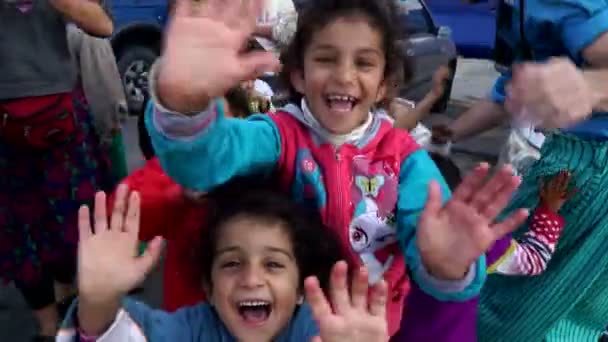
<point x="569" y="301"/>
<point x="225" y="149"/>
<point x="417" y="171"/>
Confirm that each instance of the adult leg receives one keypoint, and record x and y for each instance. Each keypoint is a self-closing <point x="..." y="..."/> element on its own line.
<point x="40" y="298"/>
<point x="65" y="290"/>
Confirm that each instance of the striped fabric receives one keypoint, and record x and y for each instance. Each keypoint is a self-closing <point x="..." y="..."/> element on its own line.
<point x="530" y="254"/>
<point x="569" y="301"/>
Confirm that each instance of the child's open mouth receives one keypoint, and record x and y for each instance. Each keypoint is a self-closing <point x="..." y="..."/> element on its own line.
<point x="254" y="312"/>
<point x="341" y="103"/>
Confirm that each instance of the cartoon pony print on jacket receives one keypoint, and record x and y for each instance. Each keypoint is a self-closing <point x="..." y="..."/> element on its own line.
<point x="372" y="232"/>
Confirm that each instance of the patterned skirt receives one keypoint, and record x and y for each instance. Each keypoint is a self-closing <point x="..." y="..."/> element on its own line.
<point x="40" y="194"/>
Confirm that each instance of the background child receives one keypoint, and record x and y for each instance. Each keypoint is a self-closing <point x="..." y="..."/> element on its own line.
<point x="104" y="91"/>
<point x="409" y="115"/>
<point x="258" y="250"/>
<point x="167" y="212"/>
<point x="369" y="180"/>
<point x="530" y="253"/>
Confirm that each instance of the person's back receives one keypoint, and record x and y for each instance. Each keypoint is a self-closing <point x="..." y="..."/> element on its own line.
<point x="567" y="301"/>
<point x="34" y="50"/>
<point x="550" y="31"/>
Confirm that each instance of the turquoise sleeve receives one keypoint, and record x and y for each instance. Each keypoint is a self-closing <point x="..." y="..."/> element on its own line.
<point x="221" y="149"/>
<point x="417" y="171"/>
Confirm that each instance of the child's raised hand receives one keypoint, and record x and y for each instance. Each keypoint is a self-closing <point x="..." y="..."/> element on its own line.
<point x="441" y="134"/>
<point x="354" y="318"/>
<point x="557" y="191"/>
<point x="108" y="265"/>
<point x="451" y="237"/>
<point x="440" y="81"/>
<point x="203" y="55"/>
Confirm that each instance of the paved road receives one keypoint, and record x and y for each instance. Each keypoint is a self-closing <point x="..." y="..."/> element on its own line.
<point x="472" y="81"/>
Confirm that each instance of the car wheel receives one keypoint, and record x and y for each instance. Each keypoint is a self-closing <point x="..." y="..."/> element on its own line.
<point x="134" y="66"/>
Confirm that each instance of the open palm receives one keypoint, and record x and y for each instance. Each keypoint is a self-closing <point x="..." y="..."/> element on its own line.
<point x="203" y="55"/>
<point x="108" y="265"/>
<point x="451" y="237"/>
<point x="353" y="318"/>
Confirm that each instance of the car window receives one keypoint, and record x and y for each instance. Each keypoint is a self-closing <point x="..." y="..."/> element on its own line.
<point x="415" y="18"/>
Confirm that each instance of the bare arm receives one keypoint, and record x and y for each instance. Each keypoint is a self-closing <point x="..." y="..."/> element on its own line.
<point x="482" y="116"/>
<point x="598" y="81"/>
<point x="408" y="117"/>
<point x="86" y="14"/>
<point x="596" y="54"/>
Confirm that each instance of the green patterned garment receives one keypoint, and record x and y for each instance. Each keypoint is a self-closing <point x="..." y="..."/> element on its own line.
<point x="569" y="302"/>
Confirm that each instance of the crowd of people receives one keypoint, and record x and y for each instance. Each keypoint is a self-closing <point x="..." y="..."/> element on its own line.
<point x="332" y="214"/>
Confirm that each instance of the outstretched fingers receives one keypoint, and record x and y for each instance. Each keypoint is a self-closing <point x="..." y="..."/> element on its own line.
<point x="250" y="11"/>
<point x="500" y="198"/>
<point x="339" y="288"/>
<point x="256" y="63"/>
<point x="182" y="8"/>
<point x="471" y="183"/>
<point x="84" y="223"/>
<point x="488" y="192"/>
<point x="316" y="298"/>
<point x="100" y="213"/>
<point x="120" y="207"/>
<point x="359" y="289"/>
<point x="131" y="223"/>
<point x="377" y="301"/>
<point x="433" y="203"/>
<point x="511" y="223"/>
<point x="150" y="257"/>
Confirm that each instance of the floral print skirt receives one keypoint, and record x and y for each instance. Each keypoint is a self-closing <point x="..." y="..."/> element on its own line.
<point x="40" y="194"/>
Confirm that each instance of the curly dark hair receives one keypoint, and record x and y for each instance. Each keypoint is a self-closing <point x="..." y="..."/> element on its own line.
<point x="316" y="248"/>
<point x="381" y="15"/>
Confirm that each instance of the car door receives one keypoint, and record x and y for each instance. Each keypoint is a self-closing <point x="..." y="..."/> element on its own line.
<point x="426" y="47"/>
<point x="473" y="24"/>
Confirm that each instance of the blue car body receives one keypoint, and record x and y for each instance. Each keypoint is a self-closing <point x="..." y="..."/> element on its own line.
<point x="472" y="25"/>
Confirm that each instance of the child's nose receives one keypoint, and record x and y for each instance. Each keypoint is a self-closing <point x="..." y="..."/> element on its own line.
<point x="252" y="276"/>
<point x="345" y="72"/>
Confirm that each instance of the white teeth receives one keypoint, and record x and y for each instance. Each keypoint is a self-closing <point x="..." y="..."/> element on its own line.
<point x="253" y="303"/>
<point x="341" y="98"/>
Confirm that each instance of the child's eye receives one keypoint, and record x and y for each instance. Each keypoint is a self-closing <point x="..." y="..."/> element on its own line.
<point x="230" y="264"/>
<point x="324" y="59"/>
<point x="365" y="64"/>
<point x="274" y="265"/>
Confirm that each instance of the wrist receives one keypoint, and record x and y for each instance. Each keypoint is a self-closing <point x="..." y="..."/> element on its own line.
<point x="447" y="273"/>
<point x="177" y="97"/>
<point x="96" y="315"/>
<point x="552" y="208"/>
<point x="597" y="80"/>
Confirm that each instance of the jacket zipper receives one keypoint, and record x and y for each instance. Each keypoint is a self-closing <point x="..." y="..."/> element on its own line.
<point x="340" y="221"/>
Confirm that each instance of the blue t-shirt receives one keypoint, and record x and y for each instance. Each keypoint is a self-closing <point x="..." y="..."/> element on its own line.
<point x="558" y="28"/>
<point x="199" y="323"/>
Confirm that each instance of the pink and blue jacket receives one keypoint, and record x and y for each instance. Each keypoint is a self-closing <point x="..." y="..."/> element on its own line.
<point x="371" y="191"/>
